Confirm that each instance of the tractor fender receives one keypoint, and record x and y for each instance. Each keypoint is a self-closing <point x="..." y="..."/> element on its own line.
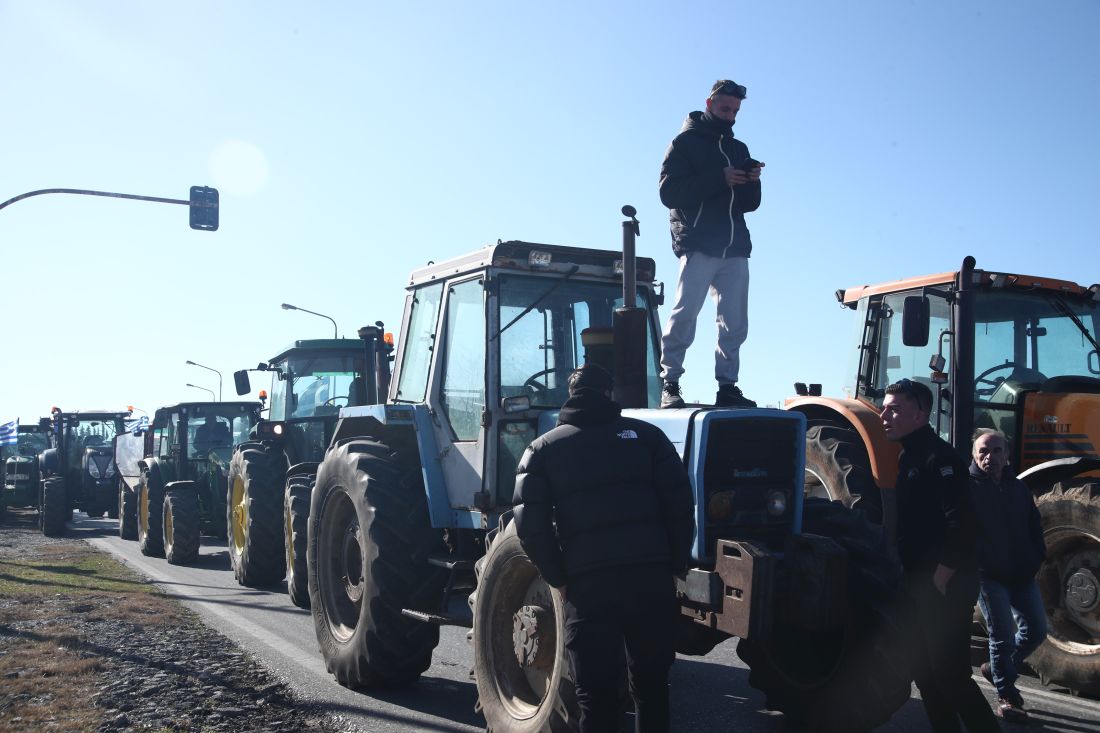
<point x="862" y="418"/>
<point x="305" y="468"/>
<point x="50" y="462"/>
<point x="180" y="485"/>
<point x="1041" y="477"/>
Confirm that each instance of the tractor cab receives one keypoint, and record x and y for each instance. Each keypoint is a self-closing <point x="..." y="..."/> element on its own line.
<point x="82" y="454"/>
<point x="20" y="466"/>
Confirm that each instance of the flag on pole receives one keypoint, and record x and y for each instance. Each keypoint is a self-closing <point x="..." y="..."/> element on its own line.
<point x="9" y="432"/>
<point x="137" y="425"/>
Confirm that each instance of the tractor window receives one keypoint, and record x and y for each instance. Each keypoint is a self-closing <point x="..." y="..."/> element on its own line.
<point x="419" y="343"/>
<point x="321" y="382"/>
<point x="464" y="359"/>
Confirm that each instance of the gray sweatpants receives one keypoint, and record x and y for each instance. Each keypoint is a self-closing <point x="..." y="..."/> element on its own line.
<point x="727" y="280"/>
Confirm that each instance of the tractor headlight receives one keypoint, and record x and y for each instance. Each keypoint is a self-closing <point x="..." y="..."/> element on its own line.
<point x="93" y="470"/>
<point x="776" y="503"/>
<point x="110" y="470"/>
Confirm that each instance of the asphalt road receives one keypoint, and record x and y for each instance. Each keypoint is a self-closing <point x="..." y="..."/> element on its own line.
<point x="709" y="693"/>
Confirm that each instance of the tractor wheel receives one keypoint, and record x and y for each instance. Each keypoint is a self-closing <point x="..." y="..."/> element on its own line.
<point x="369" y="542"/>
<point x="180" y="524"/>
<point x="253" y="508"/>
<point x="127" y="512"/>
<point x="837" y="467"/>
<point x="1069" y="581"/>
<point x="295" y="537"/>
<point x="149" y="513"/>
<point x="55" y="507"/>
<point x="522" y="670"/>
<point x="854" y="678"/>
<point x="112" y="510"/>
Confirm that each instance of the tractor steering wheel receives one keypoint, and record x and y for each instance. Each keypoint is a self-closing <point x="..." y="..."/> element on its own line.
<point x="534" y="385"/>
<point x="983" y="378"/>
<point x="338" y="397"/>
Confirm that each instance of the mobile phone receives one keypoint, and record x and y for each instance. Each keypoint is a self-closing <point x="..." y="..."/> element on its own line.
<point x="748" y="164"/>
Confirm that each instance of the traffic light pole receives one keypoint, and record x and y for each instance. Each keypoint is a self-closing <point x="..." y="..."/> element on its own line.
<point x="203" y="202"/>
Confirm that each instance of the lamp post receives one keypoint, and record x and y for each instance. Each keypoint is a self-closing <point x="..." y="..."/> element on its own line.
<point x="201" y="366"/>
<point x="204" y="389"/>
<point x="335" y="331"/>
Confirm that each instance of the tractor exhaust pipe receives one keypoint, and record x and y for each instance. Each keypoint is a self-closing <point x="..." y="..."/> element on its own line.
<point x="630" y="326"/>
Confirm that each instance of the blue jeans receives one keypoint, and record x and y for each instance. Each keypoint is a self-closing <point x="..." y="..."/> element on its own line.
<point x="1017" y="626"/>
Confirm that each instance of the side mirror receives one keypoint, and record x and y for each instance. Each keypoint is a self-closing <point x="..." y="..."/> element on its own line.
<point x="915" y="320"/>
<point x="240" y="379"/>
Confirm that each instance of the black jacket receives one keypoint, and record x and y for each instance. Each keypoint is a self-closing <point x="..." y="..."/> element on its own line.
<point x="706" y="215"/>
<point x="601" y="490"/>
<point x="1010" y="533"/>
<point x="936" y="524"/>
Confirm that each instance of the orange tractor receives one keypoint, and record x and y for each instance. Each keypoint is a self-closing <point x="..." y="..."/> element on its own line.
<point x="1012" y="352"/>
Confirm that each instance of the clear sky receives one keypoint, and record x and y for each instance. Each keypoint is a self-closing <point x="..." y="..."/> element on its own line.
<point x="355" y="141"/>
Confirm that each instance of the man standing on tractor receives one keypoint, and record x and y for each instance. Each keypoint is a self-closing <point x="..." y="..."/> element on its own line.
<point x="603" y="507"/>
<point x="1010" y="551"/>
<point x="709" y="182"/>
<point x="936" y="531"/>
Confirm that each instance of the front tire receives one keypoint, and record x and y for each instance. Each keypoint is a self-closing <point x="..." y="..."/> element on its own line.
<point x="55" y="507"/>
<point x="296" y="536"/>
<point x="180" y="525"/>
<point x="837" y="467"/>
<point x="127" y="512"/>
<point x="1068" y="581"/>
<point x="150" y="505"/>
<point x="369" y="542"/>
<point x="253" y="507"/>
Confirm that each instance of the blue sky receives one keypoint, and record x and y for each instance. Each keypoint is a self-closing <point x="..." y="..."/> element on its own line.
<point x="353" y="142"/>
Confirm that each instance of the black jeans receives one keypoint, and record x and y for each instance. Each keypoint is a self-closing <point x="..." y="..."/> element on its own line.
<point x="942" y="651"/>
<point x="614" y="612"/>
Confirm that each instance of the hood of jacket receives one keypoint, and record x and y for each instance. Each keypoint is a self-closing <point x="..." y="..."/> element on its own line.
<point x="703" y="123"/>
<point x="588" y="408"/>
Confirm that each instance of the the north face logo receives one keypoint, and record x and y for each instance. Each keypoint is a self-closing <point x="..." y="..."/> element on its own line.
<point x="628" y="435"/>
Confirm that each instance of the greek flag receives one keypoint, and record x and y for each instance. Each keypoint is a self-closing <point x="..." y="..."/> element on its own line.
<point x="137" y="425"/>
<point x="9" y="432"/>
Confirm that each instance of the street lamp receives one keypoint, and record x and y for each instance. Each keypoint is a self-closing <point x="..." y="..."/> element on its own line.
<point x="204" y="389"/>
<point x="335" y="331"/>
<point x="192" y="363"/>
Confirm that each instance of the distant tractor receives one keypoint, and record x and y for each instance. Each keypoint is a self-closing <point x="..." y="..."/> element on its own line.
<point x="271" y="475"/>
<point x="184" y="477"/>
<point x="1017" y="353"/>
<point x="413" y="504"/>
<point x="78" y="469"/>
<point x="20" y="464"/>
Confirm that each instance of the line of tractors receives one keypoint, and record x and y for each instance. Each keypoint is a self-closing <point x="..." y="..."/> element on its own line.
<point x="377" y="480"/>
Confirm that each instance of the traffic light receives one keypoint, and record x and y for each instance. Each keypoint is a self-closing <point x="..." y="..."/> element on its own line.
<point x="204" y="208"/>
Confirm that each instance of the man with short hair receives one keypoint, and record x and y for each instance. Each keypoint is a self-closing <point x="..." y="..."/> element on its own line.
<point x="604" y="509"/>
<point x="709" y="182"/>
<point x="1010" y="551"/>
<point x="935" y="539"/>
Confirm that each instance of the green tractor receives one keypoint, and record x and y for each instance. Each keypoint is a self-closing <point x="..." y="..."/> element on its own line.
<point x="20" y="462"/>
<point x="182" y="477"/>
<point x="271" y="476"/>
<point x="78" y="469"/>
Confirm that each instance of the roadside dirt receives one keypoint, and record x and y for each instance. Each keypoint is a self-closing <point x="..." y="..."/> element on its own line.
<point x="87" y="645"/>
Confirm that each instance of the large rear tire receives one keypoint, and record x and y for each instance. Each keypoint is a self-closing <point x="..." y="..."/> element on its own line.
<point x="852" y="679"/>
<point x="1069" y="581"/>
<point x="180" y="524"/>
<point x="520" y="663"/>
<point x="55" y="507"/>
<point x="149" y="512"/>
<point x="369" y="542"/>
<point x="254" y="504"/>
<point x="837" y="467"/>
<point x="127" y="512"/>
<point x="295" y="537"/>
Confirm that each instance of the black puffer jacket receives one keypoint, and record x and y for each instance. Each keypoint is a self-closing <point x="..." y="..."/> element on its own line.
<point x="706" y="215"/>
<point x="1010" y="533"/>
<point x="601" y="490"/>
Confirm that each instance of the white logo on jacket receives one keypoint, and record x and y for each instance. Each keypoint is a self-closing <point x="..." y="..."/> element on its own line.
<point x="628" y="435"/>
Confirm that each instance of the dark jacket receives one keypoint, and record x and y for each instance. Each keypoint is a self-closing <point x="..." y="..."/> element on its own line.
<point x="601" y="490"/>
<point x="1010" y="534"/>
<point x="706" y="215"/>
<point x="936" y="523"/>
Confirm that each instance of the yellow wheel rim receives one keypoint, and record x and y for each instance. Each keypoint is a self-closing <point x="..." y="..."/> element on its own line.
<point x="169" y="530"/>
<point x="288" y="540"/>
<point x="143" y="510"/>
<point x="239" y="512"/>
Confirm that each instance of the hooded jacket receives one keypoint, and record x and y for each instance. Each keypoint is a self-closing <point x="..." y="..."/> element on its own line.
<point x="705" y="214"/>
<point x="602" y="490"/>
<point x="1010" y="534"/>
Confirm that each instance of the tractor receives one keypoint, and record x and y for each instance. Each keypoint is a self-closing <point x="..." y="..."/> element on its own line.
<point x="271" y="475"/>
<point x="78" y="470"/>
<point x="20" y="462"/>
<point x="183" y="477"/>
<point x="412" y="504"/>
<point x="1016" y="353"/>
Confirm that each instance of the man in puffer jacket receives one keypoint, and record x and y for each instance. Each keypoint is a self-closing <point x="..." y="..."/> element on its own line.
<point x="1010" y="550"/>
<point x="604" y="509"/>
<point x="709" y="182"/>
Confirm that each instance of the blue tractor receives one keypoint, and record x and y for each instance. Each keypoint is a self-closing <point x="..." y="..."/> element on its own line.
<point x="412" y="504"/>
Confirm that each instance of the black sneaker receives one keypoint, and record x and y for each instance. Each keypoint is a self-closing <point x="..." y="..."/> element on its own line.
<point x="729" y="395"/>
<point x="1011" y="712"/>
<point x="670" y="395"/>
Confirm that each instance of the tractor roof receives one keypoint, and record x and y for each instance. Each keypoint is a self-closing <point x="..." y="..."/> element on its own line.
<point x="344" y="344"/>
<point x="531" y="257"/>
<point x="983" y="279"/>
<point x="246" y="404"/>
<point x="95" y="414"/>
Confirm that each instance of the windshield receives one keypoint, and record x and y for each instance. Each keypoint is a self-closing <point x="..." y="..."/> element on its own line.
<point x="32" y="443"/>
<point x="89" y="433"/>
<point x="319" y="383"/>
<point x="543" y="346"/>
<point x="210" y="427"/>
